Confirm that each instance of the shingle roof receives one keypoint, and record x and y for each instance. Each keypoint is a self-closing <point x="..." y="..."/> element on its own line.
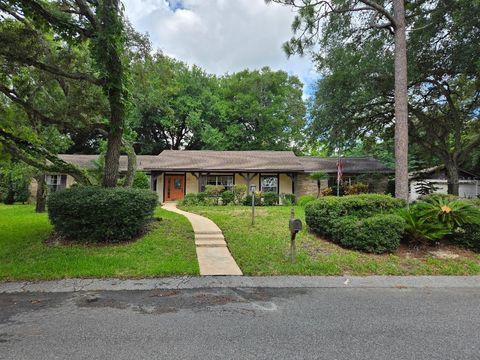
<point x="87" y="161"/>
<point x="351" y="165"/>
<point x="247" y="161"/>
<point x="238" y="161"/>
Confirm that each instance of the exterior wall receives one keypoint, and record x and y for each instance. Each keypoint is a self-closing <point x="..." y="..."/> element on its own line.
<point x="467" y="188"/>
<point x="239" y="180"/>
<point x="191" y="184"/>
<point x="307" y="186"/>
<point x="285" y="184"/>
<point x="159" y="188"/>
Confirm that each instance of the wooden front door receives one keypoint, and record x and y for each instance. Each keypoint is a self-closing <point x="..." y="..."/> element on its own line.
<point x="174" y="187"/>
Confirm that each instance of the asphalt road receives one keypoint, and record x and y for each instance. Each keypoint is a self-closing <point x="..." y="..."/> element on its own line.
<point x="236" y="323"/>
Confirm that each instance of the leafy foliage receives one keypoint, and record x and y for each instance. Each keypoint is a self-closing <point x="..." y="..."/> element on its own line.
<point x="101" y="214"/>
<point x="228" y="197"/>
<point x="270" y="198"/>
<point x="288" y="199"/>
<point x="377" y="234"/>
<point x="239" y="192"/>
<point x="140" y="180"/>
<point x="322" y="214"/>
<point x="305" y="199"/>
<point x="419" y="229"/>
<point x="355" y="189"/>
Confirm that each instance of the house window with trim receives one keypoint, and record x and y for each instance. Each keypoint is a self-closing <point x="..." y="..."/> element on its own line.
<point x="217" y="180"/>
<point x="269" y="183"/>
<point x="56" y="182"/>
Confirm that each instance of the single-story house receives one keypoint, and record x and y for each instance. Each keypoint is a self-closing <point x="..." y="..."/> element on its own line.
<point x="174" y="173"/>
<point x="468" y="187"/>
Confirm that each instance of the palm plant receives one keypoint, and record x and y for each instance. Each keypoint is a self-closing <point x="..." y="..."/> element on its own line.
<point x="319" y="176"/>
<point x="453" y="213"/>
<point x="419" y="228"/>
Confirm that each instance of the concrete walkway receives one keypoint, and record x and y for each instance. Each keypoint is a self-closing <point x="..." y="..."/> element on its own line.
<point x="212" y="251"/>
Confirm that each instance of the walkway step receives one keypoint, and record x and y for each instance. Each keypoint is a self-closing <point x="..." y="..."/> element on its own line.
<point x="209" y="237"/>
<point x="210" y="243"/>
<point x="213" y="255"/>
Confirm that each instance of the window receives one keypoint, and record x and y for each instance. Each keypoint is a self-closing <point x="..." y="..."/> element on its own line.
<point x="56" y="182"/>
<point x="269" y="183"/>
<point x="217" y="180"/>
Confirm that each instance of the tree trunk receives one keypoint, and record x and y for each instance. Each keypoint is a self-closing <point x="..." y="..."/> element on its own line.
<point x="110" y="47"/>
<point x="401" y="102"/>
<point x="132" y="164"/>
<point x="452" y="177"/>
<point x="41" y="196"/>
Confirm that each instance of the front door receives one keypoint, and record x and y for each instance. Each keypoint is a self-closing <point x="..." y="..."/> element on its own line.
<point x="174" y="187"/>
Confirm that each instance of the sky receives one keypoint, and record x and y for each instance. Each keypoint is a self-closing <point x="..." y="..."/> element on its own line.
<point x="221" y="36"/>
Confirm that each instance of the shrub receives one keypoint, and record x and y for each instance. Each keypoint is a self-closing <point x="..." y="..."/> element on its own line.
<point x="247" y="201"/>
<point x="418" y="230"/>
<point x="270" y="198"/>
<point x="326" y="191"/>
<point x="453" y="213"/>
<point x="376" y="234"/>
<point x="468" y="236"/>
<point x="101" y="214"/>
<point x="305" y="199"/>
<point x="190" y="199"/>
<point x="432" y="198"/>
<point x="287" y="199"/>
<point x="322" y="214"/>
<point x="140" y="180"/>
<point x="239" y="192"/>
<point x="201" y="198"/>
<point x="214" y="192"/>
<point x="355" y="189"/>
<point x="227" y="197"/>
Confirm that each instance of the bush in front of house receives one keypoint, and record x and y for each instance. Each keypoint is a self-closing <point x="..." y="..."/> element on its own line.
<point x="322" y="214"/>
<point x="239" y="192"/>
<point x="228" y="197"/>
<point x="190" y="199"/>
<point x="270" y="198"/>
<point x="378" y="234"/>
<point x="95" y="214"/>
<point x="247" y="201"/>
<point x="305" y="199"/>
<point x="287" y="199"/>
<point x="355" y="189"/>
<point x="140" y="180"/>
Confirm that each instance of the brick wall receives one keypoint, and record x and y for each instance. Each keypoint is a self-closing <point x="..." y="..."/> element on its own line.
<point x="307" y="186"/>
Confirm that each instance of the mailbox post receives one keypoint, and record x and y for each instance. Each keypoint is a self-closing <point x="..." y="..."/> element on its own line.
<point x="295" y="225"/>
<point x="253" y="188"/>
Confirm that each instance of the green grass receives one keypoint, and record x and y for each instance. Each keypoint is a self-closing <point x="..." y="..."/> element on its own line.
<point x="263" y="249"/>
<point x="168" y="249"/>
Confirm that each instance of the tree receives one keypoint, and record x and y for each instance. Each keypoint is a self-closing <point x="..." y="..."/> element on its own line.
<point x="318" y="176"/>
<point x="355" y="97"/>
<point x="97" y="28"/>
<point x="264" y="110"/>
<point x="361" y="17"/>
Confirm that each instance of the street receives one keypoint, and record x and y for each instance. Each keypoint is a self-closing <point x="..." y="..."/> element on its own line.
<point x="243" y="323"/>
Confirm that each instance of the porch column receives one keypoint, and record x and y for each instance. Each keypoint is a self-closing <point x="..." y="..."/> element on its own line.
<point x="248" y="178"/>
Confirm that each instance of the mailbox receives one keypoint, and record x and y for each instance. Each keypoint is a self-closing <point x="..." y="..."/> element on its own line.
<point x="295" y="225"/>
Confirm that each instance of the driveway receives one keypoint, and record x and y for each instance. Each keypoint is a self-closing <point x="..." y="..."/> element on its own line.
<point x="243" y="323"/>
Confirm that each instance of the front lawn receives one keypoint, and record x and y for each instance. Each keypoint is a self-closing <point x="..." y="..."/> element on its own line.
<point x="263" y="248"/>
<point x="168" y="249"/>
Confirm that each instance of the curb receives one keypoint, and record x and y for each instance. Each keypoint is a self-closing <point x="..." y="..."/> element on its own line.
<point x="187" y="282"/>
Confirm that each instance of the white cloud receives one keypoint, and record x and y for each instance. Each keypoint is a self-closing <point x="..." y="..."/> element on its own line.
<point x="220" y="35"/>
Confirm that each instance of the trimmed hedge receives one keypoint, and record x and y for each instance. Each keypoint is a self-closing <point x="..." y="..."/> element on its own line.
<point x="305" y="199"/>
<point x="376" y="234"/>
<point x="362" y="222"/>
<point x="322" y="214"/>
<point x="101" y="214"/>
